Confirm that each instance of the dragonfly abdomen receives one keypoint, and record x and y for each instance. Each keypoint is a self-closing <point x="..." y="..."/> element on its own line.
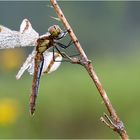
<point x="39" y="60"/>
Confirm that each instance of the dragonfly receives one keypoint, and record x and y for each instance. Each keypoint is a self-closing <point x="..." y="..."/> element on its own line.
<point x="41" y="60"/>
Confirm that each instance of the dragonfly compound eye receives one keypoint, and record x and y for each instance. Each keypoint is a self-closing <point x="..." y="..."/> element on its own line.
<point x="55" y="31"/>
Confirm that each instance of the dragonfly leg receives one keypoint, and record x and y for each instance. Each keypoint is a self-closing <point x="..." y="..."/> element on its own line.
<point x="60" y="54"/>
<point x="74" y="55"/>
<point x="64" y="46"/>
<point x="64" y="33"/>
<point x="63" y="54"/>
<point x="53" y="55"/>
<point x="73" y="60"/>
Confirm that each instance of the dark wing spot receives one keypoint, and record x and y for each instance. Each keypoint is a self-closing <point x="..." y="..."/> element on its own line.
<point x="26" y="27"/>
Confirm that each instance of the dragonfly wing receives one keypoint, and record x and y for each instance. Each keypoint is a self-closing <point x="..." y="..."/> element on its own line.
<point x="28" y="34"/>
<point x="49" y="64"/>
<point x="39" y="60"/>
<point x="28" y="63"/>
<point x="4" y="29"/>
<point x="16" y="39"/>
<point x="9" y="40"/>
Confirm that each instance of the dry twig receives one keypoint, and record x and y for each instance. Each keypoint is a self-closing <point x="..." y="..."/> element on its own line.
<point x="114" y="123"/>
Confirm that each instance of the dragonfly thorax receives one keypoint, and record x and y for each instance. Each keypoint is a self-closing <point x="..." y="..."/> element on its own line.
<point x="43" y="44"/>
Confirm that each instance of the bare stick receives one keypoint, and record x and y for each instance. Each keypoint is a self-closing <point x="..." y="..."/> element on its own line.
<point x="114" y="123"/>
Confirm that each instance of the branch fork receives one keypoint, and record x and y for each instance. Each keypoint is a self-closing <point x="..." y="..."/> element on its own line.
<point x="118" y="127"/>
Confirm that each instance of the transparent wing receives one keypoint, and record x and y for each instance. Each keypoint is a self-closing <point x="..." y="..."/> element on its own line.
<point x="27" y="64"/>
<point x="11" y="39"/>
<point x="28" y="35"/>
<point x="49" y="65"/>
<point x="4" y="29"/>
<point x="52" y="65"/>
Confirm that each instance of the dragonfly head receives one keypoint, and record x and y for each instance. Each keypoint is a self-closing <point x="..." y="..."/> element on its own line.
<point x="56" y="32"/>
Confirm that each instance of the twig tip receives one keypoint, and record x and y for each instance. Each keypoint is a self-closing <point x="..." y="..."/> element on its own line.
<point x="55" y="18"/>
<point x="50" y="6"/>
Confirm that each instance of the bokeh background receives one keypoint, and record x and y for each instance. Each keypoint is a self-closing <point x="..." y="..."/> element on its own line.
<point x="68" y="104"/>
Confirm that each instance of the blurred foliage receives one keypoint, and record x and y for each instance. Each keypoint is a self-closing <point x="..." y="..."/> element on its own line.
<point x="68" y="105"/>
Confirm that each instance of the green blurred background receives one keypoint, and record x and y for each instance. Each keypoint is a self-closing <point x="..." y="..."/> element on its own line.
<point x="68" y="104"/>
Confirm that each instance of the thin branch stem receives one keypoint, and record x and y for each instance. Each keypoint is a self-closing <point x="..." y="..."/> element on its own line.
<point x="114" y="123"/>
